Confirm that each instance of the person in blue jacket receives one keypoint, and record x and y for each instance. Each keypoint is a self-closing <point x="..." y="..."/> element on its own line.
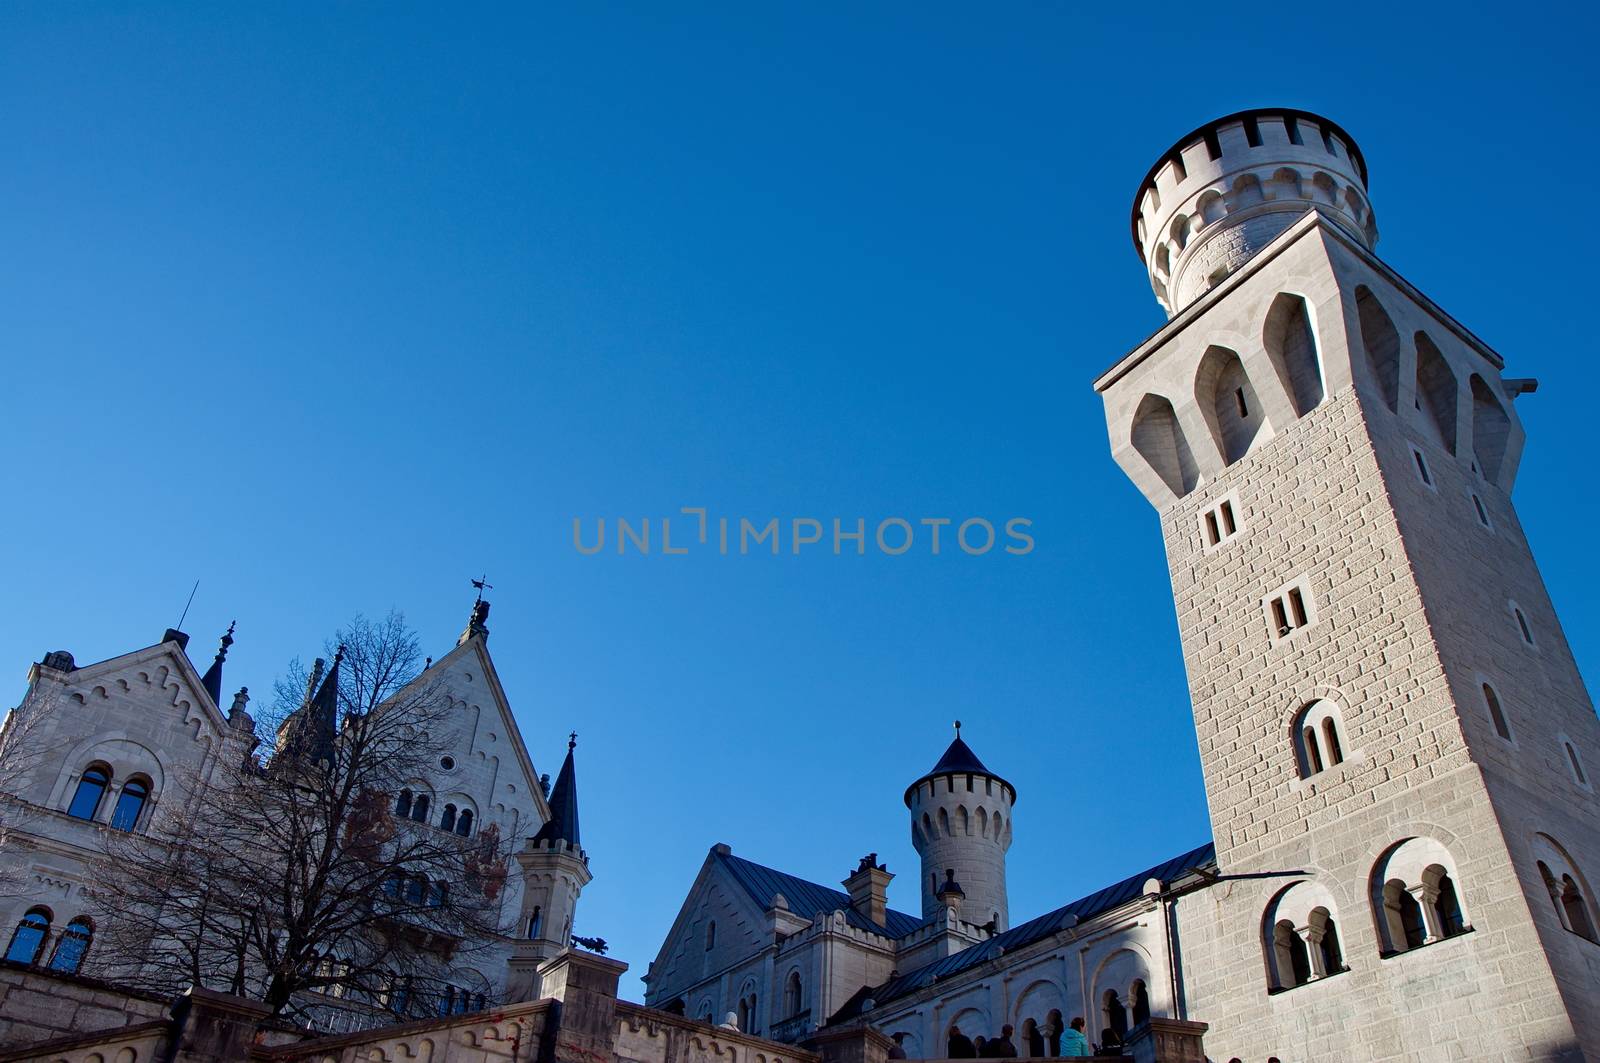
<point x="1073" y="1043"/>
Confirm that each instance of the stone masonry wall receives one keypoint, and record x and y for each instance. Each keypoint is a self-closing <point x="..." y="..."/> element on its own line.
<point x="1313" y="502"/>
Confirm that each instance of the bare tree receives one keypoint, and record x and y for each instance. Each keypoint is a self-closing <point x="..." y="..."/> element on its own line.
<point x="299" y="870"/>
<point x="21" y="750"/>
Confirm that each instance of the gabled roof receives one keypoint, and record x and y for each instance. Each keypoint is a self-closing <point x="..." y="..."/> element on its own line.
<point x="808" y="899"/>
<point x="189" y="685"/>
<point x="1079" y="911"/>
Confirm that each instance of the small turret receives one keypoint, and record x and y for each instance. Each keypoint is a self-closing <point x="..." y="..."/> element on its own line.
<point x="555" y="870"/>
<point x="1221" y="193"/>
<point x="961" y="827"/>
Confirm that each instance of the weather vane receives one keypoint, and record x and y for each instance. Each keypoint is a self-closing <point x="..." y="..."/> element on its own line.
<point x="483" y="584"/>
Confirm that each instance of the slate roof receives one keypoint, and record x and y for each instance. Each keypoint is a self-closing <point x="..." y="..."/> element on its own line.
<point x="807" y="899"/>
<point x="1033" y="930"/>
<point x="959" y="759"/>
<point x="563" y="822"/>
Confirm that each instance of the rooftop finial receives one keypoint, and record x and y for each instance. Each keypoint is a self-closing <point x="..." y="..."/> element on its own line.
<point x="958" y="728"/>
<point x="572" y="741"/>
<point x="212" y="680"/>
<point x="478" y="624"/>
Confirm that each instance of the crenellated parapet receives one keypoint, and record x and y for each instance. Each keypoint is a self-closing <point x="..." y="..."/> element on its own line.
<point x="1222" y="192"/>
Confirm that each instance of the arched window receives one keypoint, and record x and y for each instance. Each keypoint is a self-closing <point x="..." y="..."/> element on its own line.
<point x="1116" y="1014"/>
<point x="91" y="790"/>
<point x="130" y="802"/>
<point x="439" y="895"/>
<point x="71" y="946"/>
<point x="1291" y="346"/>
<point x="416" y="889"/>
<point x="1575" y="908"/>
<point x="1522" y="623"/>
<point x="1327" y="957"/>
<point x="711" y="935"/>
<point x="1227" y="399"/>
<point x="27" y="941"/>
<point x="1492" y="701"/>
<point x="1301" y="936"/>
<point x="464" y="823"/>
<point x="1491" y="428"/>
<point x="1436" y="391"/>
<point x="448" y="820"/>
<point x="1294" y="961"/>
<point x="1159" y="439"/>
<point x="534" y="921"/>
<point x="793" y="995"/>
<point x="1381" y="341"/>
<point x="1440" y="891"/>
<point x="402" y="804"/>
<point x="1406" y="928"/>
<point x="1032" y="1039"/>
<point x="419" y="808"/>
<point x="1318" y="738"/>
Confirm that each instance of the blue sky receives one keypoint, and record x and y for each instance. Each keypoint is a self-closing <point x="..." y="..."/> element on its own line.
<point x="334" y="306"/>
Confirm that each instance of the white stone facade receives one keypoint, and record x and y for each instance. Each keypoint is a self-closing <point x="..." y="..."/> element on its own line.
<point x="146" y="718"/>
<point x="1356" y="772"/>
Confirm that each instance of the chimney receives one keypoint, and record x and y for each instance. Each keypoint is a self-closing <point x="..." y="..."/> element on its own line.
<point x="174" y="635"/>
<point x="869" y="889"/>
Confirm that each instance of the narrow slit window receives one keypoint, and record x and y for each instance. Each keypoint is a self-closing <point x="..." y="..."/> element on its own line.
<point x="1280" y="616"/>
<point x="1226" y="512"/>
<point x="1422" y="466"/>
<point x="1297" y="605"/>
<point x="1496" y="713"/>
<point x="1483" y="514"/>
<point x="1213" y="534"/>
<point x="1577" y="765"/>
<point x="1313" y="754"/>
<point x="1244" y="407"/>
<point x="1522" y="624"/>
<point x="1330" y="732"/>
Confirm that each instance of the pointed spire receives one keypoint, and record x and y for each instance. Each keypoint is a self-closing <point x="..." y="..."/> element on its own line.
<point x="563" y="825"/>
<point x="212" y="680"/>
<point x="310" y="732"/>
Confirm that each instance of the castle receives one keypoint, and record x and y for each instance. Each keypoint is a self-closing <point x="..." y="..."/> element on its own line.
<point x="129" y="745"/>
<point x="1396" y="743"/>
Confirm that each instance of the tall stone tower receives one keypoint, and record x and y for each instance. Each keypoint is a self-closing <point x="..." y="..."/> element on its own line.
<point x="961" y="827"/>
<point x="1397" y="747"/>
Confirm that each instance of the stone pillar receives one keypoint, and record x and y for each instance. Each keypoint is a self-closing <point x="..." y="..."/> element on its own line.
<point x="585" y="988"/>
<point x="1168" y="1041"/>
<point x="852" y="1044"/>
<point x="215" y="1027"/>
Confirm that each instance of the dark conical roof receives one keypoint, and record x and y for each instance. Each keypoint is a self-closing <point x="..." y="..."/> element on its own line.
<point x="563" y="824"/>
<point x="959" y="757"/>
<point x="212" y="680"/>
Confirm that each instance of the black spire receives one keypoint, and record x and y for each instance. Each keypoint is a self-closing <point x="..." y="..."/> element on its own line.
<point x="310" y="731"/>
<point x="212" y="680"/>
<point x="563" y="825"/>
